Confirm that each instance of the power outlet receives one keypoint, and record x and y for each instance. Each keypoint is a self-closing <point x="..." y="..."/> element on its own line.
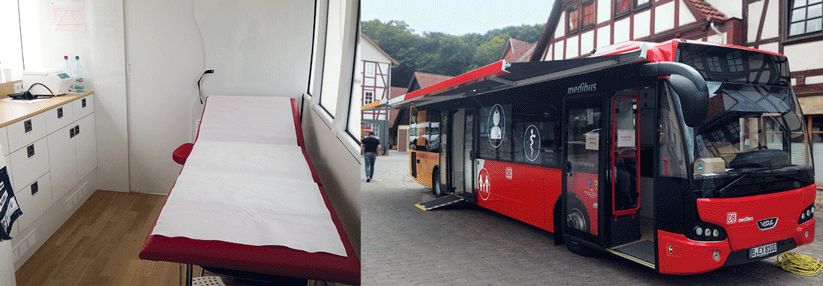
<point x="18" y="87"/>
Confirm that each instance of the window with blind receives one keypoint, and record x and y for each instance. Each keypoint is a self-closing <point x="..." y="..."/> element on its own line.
<point x="805" y="17"/>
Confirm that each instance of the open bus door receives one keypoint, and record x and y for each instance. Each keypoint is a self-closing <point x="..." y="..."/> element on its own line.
<point x="583" y="173"/>
<point x="602" y="186"/>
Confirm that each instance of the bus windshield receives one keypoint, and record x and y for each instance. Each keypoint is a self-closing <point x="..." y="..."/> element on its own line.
<point x="752" y="126"/>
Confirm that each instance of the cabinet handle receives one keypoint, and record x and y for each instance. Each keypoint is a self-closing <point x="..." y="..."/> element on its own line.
<point x="30" y="150"/>
<point x="59" y="112"/>
<point x="76" y="130"/>
<point x="27" y="126"/>
<point x="71" y="133"/>
<point x="34" y="188"/>
<point x="83" y="103"/>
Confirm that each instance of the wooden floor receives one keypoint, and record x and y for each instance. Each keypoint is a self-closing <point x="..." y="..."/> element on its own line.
<point x="99" y="245"/>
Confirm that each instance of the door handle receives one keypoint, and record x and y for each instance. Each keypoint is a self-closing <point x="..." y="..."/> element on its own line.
<point x="569" y="168"/>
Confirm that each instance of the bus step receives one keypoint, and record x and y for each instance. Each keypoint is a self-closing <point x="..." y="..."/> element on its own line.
<point x="641" y="252"/>
<point x="439" y="202"/>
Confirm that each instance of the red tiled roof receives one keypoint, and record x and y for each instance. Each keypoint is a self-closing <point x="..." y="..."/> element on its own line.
<point x="395" y="92"/>
<point x="428" y="79"/>
<point x="394" y="62"/>
<point x="516" y="50"/>
<point x="706" y="9"/>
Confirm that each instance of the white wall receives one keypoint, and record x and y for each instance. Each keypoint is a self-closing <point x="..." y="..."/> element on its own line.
<point x="256" y="47"/>
<point x="101" y="51"/>
<point x="730" y="8"/>
<point x="663" y="23"/>
<point x="164" y="53"/>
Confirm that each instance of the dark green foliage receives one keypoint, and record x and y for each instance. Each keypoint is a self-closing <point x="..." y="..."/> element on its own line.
<point x="440" y="53"/>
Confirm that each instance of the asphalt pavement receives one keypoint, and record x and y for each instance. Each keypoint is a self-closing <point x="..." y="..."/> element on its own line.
<point x="467" y="245"/>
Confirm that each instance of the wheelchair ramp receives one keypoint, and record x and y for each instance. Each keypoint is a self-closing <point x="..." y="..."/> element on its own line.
<point x="641" y="252"/>
<point x="439" y="202"/>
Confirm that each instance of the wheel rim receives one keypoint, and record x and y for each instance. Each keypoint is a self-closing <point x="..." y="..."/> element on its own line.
<point x="576" y="220"/>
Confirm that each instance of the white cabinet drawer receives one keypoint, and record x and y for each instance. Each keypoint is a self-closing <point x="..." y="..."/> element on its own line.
<point x="30" y="162"/>
<point x="4" y="142"/>
<point x="24" y="132"/>
<point x="83" y="106"/>
<point x="34" y="200"/>
<point x="63" y="160"/>
<point x="59" y="117"/>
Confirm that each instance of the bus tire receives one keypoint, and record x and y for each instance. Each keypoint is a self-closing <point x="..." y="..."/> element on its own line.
<point x="578" y="215"/>
<point x="437" y="191"/>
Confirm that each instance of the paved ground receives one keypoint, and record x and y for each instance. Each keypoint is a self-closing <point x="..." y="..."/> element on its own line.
<point x="467" y="245"/>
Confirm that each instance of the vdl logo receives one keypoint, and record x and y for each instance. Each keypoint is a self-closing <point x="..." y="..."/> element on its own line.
<point x="768" y="223"/>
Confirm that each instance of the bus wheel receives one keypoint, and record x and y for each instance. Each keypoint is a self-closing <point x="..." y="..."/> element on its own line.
<point x="436" y="190"/>
<point x="577" y="218"/>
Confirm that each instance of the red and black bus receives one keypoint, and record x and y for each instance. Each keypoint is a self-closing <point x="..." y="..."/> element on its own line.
<point x="682" y="156"/>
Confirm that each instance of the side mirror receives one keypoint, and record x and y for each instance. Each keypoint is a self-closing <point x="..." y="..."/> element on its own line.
<point x="690" y="87"/>
<point x="693" y="103"/>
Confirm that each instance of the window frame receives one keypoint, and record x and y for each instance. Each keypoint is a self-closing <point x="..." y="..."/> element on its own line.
<point x="580" y="9"/>
<point x="618" y="14"/>
<point x="569" y="30"/>
<point x="583" y="25"/>
<point x="787" y="21"/>
<point x="641" y="6"/>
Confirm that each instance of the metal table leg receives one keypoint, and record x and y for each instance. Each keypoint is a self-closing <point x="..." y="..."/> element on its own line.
<point x="188" y="274"/>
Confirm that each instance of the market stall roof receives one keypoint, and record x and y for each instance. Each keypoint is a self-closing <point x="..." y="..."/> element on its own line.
<point x="503" y="75"/>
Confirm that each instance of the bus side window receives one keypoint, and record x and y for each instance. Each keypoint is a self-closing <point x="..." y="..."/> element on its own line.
<point x="670" y="138"/>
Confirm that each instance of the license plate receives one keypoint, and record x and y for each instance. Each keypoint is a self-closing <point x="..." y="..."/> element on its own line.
<point x="763" y="250"/>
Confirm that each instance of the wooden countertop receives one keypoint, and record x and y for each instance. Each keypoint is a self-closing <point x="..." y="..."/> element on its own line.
<point x="11" y="112"/>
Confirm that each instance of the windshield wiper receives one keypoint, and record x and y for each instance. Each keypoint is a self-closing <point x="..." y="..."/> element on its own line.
<point x="726" y="190"/>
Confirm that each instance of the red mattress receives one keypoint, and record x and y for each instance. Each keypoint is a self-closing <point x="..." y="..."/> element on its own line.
<point x="269" y="260"/>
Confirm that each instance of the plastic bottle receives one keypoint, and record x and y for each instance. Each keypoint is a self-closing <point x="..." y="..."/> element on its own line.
<point x="67" y="70"/>
<point x="79" y="85"/>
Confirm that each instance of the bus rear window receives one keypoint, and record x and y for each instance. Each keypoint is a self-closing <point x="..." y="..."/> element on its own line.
<point x="724" y="64"/>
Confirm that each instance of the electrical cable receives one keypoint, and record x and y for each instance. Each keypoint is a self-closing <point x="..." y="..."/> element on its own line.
<point x="799" y="264"/>
<point x="198" y="84"/>
<point x="43" y="85"/>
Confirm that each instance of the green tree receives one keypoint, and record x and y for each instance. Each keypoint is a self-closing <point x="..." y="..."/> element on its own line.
<point x="441" y="53"/>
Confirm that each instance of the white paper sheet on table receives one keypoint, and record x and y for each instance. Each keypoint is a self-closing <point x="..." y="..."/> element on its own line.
<point x="224" y="157"/>
<point x="267" y="120"/>
<point x="251" y="210"/>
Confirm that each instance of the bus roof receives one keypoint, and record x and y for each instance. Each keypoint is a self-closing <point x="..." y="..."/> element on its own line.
<point x="503" y="75"/>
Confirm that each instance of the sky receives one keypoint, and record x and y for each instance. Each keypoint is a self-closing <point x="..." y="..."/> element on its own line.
<point x="457" y="17"/>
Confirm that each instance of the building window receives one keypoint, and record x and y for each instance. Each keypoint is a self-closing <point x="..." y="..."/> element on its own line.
<point x="368" y="97"/>
<point x="622" y="7"/>
<point x="574" y="20"/>
<point x="805" y="16"/>
<point x="580" y="16"/>
<point x="643" y="3"/>
<point x="369" y="69"/>
<point x="11" y="53"/>
<point x="588" y="14"/>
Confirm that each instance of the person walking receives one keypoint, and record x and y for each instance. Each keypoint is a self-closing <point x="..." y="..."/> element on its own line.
<point x="370" y="146"/>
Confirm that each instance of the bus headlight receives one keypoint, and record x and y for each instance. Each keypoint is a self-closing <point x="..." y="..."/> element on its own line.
<point x="706" y="232"/>
<point x="806" y="215"/>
